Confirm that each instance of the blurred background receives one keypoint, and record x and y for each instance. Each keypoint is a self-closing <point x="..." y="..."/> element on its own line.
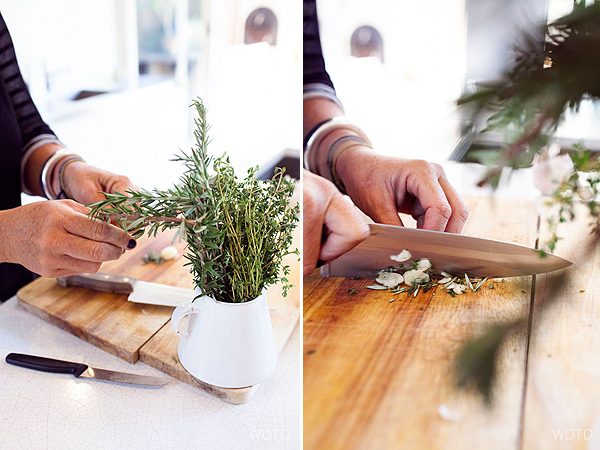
<point x="399" y="67"/>
<point x="114" y="78"/>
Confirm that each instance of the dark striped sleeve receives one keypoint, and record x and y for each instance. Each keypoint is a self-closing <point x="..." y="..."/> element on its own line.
<point x="314" y="65"/>
<point x="30" y="122"/>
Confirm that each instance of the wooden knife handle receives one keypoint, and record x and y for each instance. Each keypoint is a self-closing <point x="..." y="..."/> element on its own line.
<point x="101" y="282"/>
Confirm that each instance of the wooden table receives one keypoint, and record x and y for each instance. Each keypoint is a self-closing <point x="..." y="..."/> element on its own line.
<point x="379" y="374"/>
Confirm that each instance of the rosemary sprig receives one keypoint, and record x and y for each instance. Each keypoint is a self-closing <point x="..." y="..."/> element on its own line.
<point x="236" y="231"/>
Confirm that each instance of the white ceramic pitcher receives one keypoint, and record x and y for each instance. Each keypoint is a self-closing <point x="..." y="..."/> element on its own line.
<point x="229" y="345"/>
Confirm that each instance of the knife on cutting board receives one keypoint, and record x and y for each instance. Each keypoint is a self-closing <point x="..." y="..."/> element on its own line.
<point x="80" y="370"/>
<point x="453" y="253"/>
<point x="139" y="291"/>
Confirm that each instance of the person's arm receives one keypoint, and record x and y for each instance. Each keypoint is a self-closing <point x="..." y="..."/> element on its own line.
<point x="51" y="238"/>
<point x="381" y="186"/>
<point x="83" y="182"/>
<point x="339" y="224"/>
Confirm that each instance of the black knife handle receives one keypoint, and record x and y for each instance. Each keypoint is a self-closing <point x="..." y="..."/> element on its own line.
<point x="45" y="364"/>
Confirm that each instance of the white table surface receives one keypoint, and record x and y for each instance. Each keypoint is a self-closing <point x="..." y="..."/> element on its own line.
<point x="54" y="411"/>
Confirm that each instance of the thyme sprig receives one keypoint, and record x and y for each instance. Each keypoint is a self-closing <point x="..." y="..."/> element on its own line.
<point x="236" y="231"/>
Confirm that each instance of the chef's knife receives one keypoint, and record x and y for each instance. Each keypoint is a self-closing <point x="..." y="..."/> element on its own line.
<point x="139" y="291"/>
<point x="80" y="370"/>
<point x="453" y="253"/>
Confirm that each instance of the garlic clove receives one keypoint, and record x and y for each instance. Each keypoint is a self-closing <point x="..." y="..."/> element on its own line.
<point x="169" y="253"/>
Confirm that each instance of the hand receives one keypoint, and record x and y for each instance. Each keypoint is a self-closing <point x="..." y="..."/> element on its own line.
<point x="327" y="211"/>
<point x="382" y="186"/>
<point x="84" y="183"/>
<point x="56" y="238"/>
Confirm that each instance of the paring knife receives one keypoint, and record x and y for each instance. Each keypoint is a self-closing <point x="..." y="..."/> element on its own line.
<point x="81" y="370"/>
<point x="139" y="291"/>
<point x="453" y="253"/>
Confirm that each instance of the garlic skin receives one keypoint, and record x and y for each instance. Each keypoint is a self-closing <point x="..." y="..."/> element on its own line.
<point x="169" y="253"/>
<point x="389" y="279"/>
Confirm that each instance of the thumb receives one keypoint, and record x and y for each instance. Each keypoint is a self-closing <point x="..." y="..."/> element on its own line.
<point x="346" y="225"/>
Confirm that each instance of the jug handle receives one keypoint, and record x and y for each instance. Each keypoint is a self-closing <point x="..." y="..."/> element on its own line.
<point x="183" y="310"/>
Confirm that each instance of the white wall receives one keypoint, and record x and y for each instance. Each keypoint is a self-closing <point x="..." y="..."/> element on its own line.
<point x="72" y="43"/>
<point x="405" y="104"/>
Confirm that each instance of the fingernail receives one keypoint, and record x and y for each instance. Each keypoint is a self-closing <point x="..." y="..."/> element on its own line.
<point x="132" y="243"/>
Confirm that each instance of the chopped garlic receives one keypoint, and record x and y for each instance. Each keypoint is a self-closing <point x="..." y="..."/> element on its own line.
<point x="404" y="255"/>
<point x="415" y="276"/>
<point x="444" y="280"/>
<point x="169" y="253"/>
<point x="389" y="279"/>
<point x="458" y="288"/>
<point x="424" y="264"/>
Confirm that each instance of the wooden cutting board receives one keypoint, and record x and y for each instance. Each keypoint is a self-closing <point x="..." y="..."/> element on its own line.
<point x="380" y="374"/>
<point x="135" y="331"/>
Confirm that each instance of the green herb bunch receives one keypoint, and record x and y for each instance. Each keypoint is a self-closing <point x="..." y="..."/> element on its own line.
<point x="581" y="186"/>
<point x="236" y="231"/>
<point x="546" y="80"/>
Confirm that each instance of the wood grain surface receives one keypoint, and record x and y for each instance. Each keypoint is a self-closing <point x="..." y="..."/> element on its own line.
<point x="562" y="405"/>
<point x="135" y="331"/>
<point x="376" y="373"/>
<point x="109" y="321"/>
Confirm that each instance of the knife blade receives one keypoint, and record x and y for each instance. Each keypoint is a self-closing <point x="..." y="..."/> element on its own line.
<point x="453" y="253"/>
<point x="139" y="291"/>
<point x="80" y="370"/>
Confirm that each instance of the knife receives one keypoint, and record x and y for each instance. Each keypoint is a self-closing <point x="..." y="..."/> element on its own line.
<point x="453" y="253"/>
<point x="81" y="370"/>
<point x="139" y="291"/>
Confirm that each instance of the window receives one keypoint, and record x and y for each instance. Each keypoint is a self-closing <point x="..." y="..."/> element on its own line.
<point x="261" y="26"/>
<point x="366" y="41"/>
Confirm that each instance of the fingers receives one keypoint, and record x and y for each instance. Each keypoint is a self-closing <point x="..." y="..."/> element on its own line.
<point x="439" y="206"/>
<point x="67" y="266"/>
<point x="63" y="265"/>
<point x="74" y="265"/>
<point x="314" y="204"/>
<point x="460" y="212"/>
<point x="328" y="214"/>
<point x="346" y="225"/>
<point x="76" y="206"/>
<point x="387" y="213"/>
<point x="91" y="251"/>
<point x="97" y="230"/>
<point x="117" y="183"/>
<point x="86" y="183"/>
<point x="112" y="184"/>
<point x="432" y="199"/>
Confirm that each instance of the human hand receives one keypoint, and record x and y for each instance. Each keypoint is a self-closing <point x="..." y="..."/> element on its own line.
<point x="326" y="211"/>
<point x="381" y="186"/>
<point x="84" y="183"/>
<point x="56" y="238"/>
